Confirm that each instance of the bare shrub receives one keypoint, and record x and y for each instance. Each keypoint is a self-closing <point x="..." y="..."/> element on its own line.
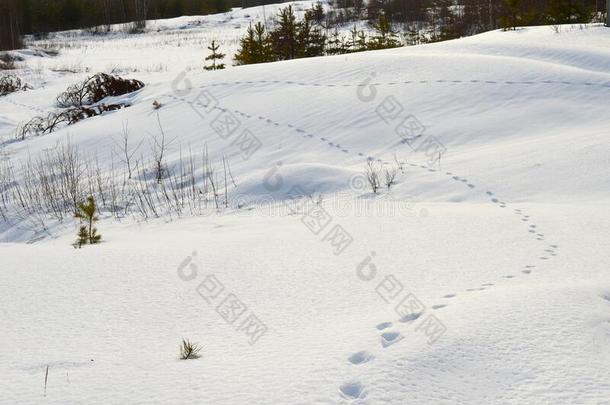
<point x="95" y="89"/>
<point x="7" y="61"/>
<point x="159" y="146"/>
<point x="52" y="122"/>
<point x="389" y="177"/>
<point x="372" y="173"/>
<point x="7" y="65"/>
<point x="127" y="153"/>
<point x="49" y="187"/>
<point x="10" y="84"/>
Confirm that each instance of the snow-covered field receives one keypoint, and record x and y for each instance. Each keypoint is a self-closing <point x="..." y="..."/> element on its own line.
<point x="482" y="277"/>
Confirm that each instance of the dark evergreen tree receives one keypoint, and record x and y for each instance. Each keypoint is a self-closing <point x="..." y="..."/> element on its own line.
<point x="255" y="47"/>
<point x="310" y="38"/>
<point x="285" y="36"/>
<point x="510" y="20"/>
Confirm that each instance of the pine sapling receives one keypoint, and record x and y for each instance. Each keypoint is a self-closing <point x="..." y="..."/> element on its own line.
<point x="189" y="350"/>
<point x="88" y="233"/>
<point x="83" y="236"/>
<point x="213" y="57"/>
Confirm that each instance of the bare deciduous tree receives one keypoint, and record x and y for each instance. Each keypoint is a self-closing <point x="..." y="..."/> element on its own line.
<point x="159" y="146"/>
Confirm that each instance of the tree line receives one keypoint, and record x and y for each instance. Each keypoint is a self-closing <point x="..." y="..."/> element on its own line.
<point x="38" y="17"/>
<point x="421" y="20"/>
<point x="290" y="38"/>
<point x="447" y="19"/>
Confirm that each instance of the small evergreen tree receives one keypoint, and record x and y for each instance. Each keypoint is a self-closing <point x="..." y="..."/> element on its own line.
<point x="213" y="57"/>
<point x="315" y="13"/>
<point x="362" y="43"/>
<point x="336" y="44"/>
<point x="412" y="36"/>
<point x="82" y="236"/>
<point x="311" y="41"/>
<point x="565" y="12"/>
<point x="512" y="17"/>
<point x="284" y="37"/>
<point x="87" y="233"/>
<point x="255" y="47"/>
<point x="385" y="36"/>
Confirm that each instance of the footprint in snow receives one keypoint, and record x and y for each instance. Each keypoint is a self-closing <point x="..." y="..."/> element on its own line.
<point x="449" y="295"/>
<point x="384" y="325"/>
<point x="410" y="317"/>
<point x="439" y="306"/>
<point x="352" y="390"/>
<point x="360" y="357"/>
<point x="389" y="338"/>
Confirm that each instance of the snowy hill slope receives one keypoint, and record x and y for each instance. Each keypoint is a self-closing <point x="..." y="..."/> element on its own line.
<point x="498" y="248"/>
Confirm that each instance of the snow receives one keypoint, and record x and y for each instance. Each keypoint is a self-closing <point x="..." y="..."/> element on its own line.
<point x="504" y="241"/>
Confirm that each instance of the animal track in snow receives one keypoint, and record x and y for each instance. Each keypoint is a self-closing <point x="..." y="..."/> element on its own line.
<point x="360" y="357"/>
<point x="352" y="390"/>
<point x="384" y="325"/>
<point x="525" y="218"/>
<point x="389" y="338"/>
<point x="410" y="317"/>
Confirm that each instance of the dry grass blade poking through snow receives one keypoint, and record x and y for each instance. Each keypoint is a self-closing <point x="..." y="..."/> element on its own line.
<point x="189" y="350"/>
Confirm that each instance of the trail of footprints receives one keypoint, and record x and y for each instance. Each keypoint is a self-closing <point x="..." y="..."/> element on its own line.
<point x="547" y="250"/>
<point x="351" y="85"/>
<point x="355" y="390"/>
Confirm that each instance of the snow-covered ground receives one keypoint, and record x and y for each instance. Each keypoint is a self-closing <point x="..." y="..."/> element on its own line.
<point x="482" y="277"/>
